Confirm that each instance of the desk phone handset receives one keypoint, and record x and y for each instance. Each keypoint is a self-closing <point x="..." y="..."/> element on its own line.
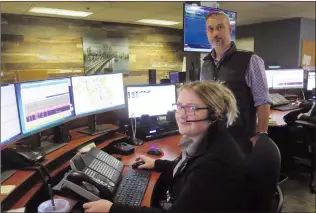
<point x="20" y="157"/>
<point x="95" y="171"/>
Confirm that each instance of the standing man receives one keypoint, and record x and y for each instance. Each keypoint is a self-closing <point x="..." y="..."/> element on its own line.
<point x="244" y="73"/>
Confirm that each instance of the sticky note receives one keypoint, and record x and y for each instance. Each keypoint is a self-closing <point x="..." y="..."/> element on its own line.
<point x="20" y="210"/>
<point x="6" y="189"/>
<point x="307" y="60"/>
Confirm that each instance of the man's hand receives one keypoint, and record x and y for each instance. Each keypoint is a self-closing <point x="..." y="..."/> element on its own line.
<point x="254" y="140"/>
<point x="98" y="206"/>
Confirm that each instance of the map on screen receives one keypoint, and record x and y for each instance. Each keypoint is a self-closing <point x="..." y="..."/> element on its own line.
<point x="99" y="92"/>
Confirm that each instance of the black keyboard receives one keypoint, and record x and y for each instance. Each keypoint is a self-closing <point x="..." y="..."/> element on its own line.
<point x="132" y="188"/>
<point x="286" y="107"/>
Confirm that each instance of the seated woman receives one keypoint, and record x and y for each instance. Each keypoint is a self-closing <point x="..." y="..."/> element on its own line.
<point x="209" y="175"/>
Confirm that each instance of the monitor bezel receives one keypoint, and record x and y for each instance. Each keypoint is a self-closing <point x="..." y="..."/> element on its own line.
<point x="282" y="88"/>
<point x="183" y="24"/>
<point x="148" y="85"/>
<point x="52" y="125"/>
<point x="101" y="110"/>
<point x="19" y="135"/>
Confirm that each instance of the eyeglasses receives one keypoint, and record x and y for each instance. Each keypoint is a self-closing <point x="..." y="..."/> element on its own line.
<point x="189" y="110"/>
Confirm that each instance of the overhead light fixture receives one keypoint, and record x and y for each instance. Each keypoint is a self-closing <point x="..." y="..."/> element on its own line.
<point x="60" y="12"/>
<point x="158" y="22"/>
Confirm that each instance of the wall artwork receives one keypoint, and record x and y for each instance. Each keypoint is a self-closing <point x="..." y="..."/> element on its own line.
<point x="105" y="55"/>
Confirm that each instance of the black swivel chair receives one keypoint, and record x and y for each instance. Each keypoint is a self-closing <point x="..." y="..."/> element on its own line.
<point x="301" y="141"/>
<point x="264" y="164"/>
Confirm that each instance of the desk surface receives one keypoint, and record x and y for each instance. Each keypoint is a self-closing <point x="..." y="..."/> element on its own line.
<point x="168" y="145"/>
<point x="277" y="117"/>
<point x="20" y="179"/>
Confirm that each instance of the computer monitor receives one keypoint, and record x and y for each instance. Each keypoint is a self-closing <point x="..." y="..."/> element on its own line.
<point x="174" y="77"/>
<point x="154" y="100"/>
<point x="94" y="94"/>
<point x="194" y="28"/>
<point x="311" y="80"/>
<point x="10" y="121"/>
<point x="269" y="74"/>
<point x="288" y="79"/>
<point x="44" y="104"/>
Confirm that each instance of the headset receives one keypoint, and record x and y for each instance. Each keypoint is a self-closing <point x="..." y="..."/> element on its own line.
<point x="212" y="117"/>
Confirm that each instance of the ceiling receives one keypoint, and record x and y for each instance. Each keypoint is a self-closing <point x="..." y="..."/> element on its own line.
<point x="130" y="12"/>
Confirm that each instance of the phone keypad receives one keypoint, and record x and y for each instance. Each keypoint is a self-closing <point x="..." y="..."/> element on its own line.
<point x="104" y="169"/>
<point x="109" y="160"/>
<point x="99" y="178"/>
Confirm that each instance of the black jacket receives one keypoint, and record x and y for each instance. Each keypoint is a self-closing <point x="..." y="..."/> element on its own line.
<point x="213" y="180"/>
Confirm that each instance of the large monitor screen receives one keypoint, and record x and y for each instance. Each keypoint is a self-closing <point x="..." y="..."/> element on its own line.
<point x="44" y="104"/>
<point x="96" y="93"/>
<point x="269" y="74"/>
<point x="152" y="100"/>
<point x="311" y="80"/>
<point x="10" y="121"/>
<point x="194" y="27"/>
<point x="288" y="79"/>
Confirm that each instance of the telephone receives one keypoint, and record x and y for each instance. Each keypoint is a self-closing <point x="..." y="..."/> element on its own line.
<point x="94" y="175"/>
<point x="20" y="157"/>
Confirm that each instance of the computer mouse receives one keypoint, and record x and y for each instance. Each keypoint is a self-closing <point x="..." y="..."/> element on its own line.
<point x="137" y="163"/>
<point x="155" y="151"/>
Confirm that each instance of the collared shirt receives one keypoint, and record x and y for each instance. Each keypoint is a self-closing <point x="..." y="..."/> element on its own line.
<point x="256" y="78"/>
<point x="189" y="148"/>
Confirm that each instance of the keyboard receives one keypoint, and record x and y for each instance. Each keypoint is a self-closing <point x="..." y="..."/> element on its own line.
<point x="132" y="188"/>
<point x="276" y="99"/>
<point x="286" y="107"/>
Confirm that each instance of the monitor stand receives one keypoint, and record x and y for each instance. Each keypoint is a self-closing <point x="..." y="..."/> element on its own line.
<point x="93" y="128"/>
<point x="6" y="174"/>
<point x="61" y="139"/>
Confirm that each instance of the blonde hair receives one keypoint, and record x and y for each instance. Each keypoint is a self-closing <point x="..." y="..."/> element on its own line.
<point x="216" y="97"/>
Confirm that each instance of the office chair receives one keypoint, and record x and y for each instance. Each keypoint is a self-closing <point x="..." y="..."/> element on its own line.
<point x="301" y="142"/>
<point x="264" y="164"/>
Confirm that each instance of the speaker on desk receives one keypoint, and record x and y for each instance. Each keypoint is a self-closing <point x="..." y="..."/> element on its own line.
<point x="152" y="76"/>
<point x="145" y="120"/>
<point x="171" y="116"/>
<point x="61" y="134"/>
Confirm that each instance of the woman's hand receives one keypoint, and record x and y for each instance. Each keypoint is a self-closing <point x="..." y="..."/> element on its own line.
<point x="149" y="163"/>
<point x="98" y="206"/>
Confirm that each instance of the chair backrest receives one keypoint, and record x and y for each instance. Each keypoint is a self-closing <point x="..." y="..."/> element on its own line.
<point x="263" y="163"/>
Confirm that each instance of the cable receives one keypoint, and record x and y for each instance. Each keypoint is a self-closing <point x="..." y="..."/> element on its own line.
<point x="133" y="127"/>
<point x="303" y="94"/>
<point x="46" y="172"/>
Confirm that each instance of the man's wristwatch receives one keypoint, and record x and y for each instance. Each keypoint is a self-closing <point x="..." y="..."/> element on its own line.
<point x="261" y="133"/>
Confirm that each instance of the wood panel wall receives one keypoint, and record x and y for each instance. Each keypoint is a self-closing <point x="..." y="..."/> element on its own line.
<point x="35" y="48"/>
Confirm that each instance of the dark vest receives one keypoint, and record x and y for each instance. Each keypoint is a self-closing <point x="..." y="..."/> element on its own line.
<point x="232" y="70"/>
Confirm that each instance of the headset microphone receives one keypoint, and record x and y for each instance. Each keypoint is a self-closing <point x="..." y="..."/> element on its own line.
<point x="197" y="120"/>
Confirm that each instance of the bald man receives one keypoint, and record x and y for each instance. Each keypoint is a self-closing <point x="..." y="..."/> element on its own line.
<point x="244" y="73"/>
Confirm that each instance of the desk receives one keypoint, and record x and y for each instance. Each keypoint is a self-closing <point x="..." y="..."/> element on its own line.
<point x="277" y="116"/>
<point x="28" y="184"/>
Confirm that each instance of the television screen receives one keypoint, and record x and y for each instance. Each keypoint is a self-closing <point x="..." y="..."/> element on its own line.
<point x="194" y="28"/>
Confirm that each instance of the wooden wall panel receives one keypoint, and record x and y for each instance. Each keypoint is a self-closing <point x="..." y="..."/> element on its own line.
<point x="52" y="47"/>
<point x="308" y="57"/>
